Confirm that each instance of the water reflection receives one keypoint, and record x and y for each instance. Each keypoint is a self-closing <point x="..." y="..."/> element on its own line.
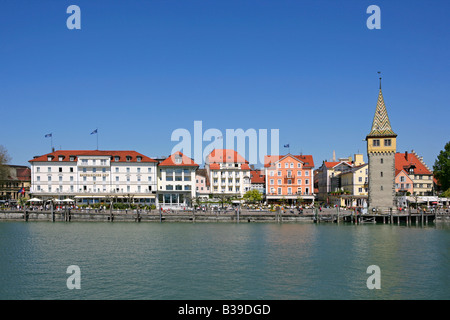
<point x="223" y="261"/>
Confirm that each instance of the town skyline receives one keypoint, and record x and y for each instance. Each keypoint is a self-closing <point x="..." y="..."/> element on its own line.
<point x="308" y="69"/>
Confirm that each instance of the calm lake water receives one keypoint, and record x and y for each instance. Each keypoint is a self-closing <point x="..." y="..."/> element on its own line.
<point x="203" y="261"/>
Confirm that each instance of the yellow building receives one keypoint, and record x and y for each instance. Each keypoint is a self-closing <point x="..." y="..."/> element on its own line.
<point x="329" y="170"/>
<point x="350" y="188"/>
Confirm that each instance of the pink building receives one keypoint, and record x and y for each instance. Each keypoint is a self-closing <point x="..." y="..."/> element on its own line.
<point x="202" y="183"/>
<point x="403" y="182"/>
<point x="289" y="178"/>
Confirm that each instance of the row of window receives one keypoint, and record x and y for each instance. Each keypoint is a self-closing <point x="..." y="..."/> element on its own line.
<point x="223" y="181"/>
<point x="170" y="187"/>
<point x="178" y="178"/>
<point x="289" y="173"/>
<point x="387" y="142"/>
<point x="103" y="188"/>
<point x="71" y="178"/>
<point x="402" y="186"/>
<point x="289" y="181"/>
<point x="289" y="165"/>
<point x="128" y="170"/>
<point x="289" y="191"/>
<point x="230" y="189"/>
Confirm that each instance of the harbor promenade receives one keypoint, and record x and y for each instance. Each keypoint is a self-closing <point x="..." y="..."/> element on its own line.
<point x="235" y="216"/>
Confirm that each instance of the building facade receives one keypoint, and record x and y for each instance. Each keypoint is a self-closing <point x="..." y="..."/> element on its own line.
<point x="16" y="184"/>
<point x="258" y="181"/>
<point x="176" y="181"/>
<point x="228" y="173"/>
<point x="381" y="148"/>
<point x="418" y="172"/>
<point x="404" y="185"/>
<point x="202" y="186"/>
<point x="351" y="187"/>
<point x="289" y="178"/>
<point x="93" y="176"/>
<point x="331" y="169"/>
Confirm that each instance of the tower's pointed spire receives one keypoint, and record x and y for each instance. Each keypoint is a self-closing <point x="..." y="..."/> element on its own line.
<point x="381" y="126"/>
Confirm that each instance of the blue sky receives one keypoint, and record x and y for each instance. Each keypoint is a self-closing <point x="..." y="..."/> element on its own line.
<point x="137" y="70"/>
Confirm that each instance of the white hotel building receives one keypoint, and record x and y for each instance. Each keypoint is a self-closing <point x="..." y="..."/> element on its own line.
<point x="92" y="176"/>
<point x="176" y="181"/>
<point x="228" y="173"/>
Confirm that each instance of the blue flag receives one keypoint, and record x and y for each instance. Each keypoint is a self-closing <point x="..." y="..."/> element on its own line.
<point x="286" y="145"/>
<point x="93" y="132"/>
<point x="48" y="135"/>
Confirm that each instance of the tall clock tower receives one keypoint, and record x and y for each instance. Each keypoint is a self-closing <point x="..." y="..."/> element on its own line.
<point x="381" y="148"/>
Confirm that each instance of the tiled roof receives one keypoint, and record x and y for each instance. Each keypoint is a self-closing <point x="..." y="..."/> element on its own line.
<point x="405" y="160"/>
<point x="307" y="160"/>
<point x="201" y="172"/>
<point x="214" y="166"/>
<point x="66" y="154"/>
<point x="224" y="156"/>
<point x="172" y="160"/>
<point x="381" y="126"/>
<point x="18" y="173"/>
<point x="333" y="164"/>
<point x="257" y="176"/>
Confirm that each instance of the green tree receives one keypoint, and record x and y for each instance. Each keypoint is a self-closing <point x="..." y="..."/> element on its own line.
<point x="446" y="193"/>
<point x="4" y="159"/>
<point x="442" y="167"/>
<point x="253" y="196"/>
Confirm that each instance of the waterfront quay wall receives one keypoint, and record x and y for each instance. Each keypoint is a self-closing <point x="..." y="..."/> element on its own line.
<point x="230" y="216"/>
<point x="133" y="216"/>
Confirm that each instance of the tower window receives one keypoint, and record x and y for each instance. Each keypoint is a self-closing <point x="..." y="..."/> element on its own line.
<point x="381" y="188"/>
<point x="387" y="142"/>
<point x="376" y="143"/>
<point x="381" y="173"/>
<point x="381" y="160"/>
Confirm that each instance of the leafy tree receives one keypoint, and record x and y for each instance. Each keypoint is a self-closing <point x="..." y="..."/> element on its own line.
<point x="253" y="196"/>
<point x="446" y="193"/>
<point x="4" y="159"/>
<point x="442" y="167"/>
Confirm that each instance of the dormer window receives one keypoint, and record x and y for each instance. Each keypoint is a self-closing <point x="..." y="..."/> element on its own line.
<point x="116" y="158"/>
<point x="138" y="159"/>
<point x="49" y="158"/>
<point x="72" y="158"/>
<point x="128" y="158"/>
<point x="178" y="159"/>
<point x="60" y="158"/>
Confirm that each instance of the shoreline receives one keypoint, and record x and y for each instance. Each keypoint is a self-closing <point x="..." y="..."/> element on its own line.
<point x="243" y="217"/>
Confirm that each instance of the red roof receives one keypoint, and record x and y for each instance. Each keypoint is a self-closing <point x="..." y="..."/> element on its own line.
<point x="214" y="166"/>
<point x="307" y="160"/>
<point x="18" y="173"/>
<point x="332" y="164"/>
<point x="257" y="176"/>
<point x="185" y="161"/>
<point x="225" y="155"/>
<point x="406" y="160"/>
<point x="124" y="156"/>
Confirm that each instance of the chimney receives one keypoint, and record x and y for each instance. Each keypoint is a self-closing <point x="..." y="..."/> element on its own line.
<point x="406" y="155"/>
